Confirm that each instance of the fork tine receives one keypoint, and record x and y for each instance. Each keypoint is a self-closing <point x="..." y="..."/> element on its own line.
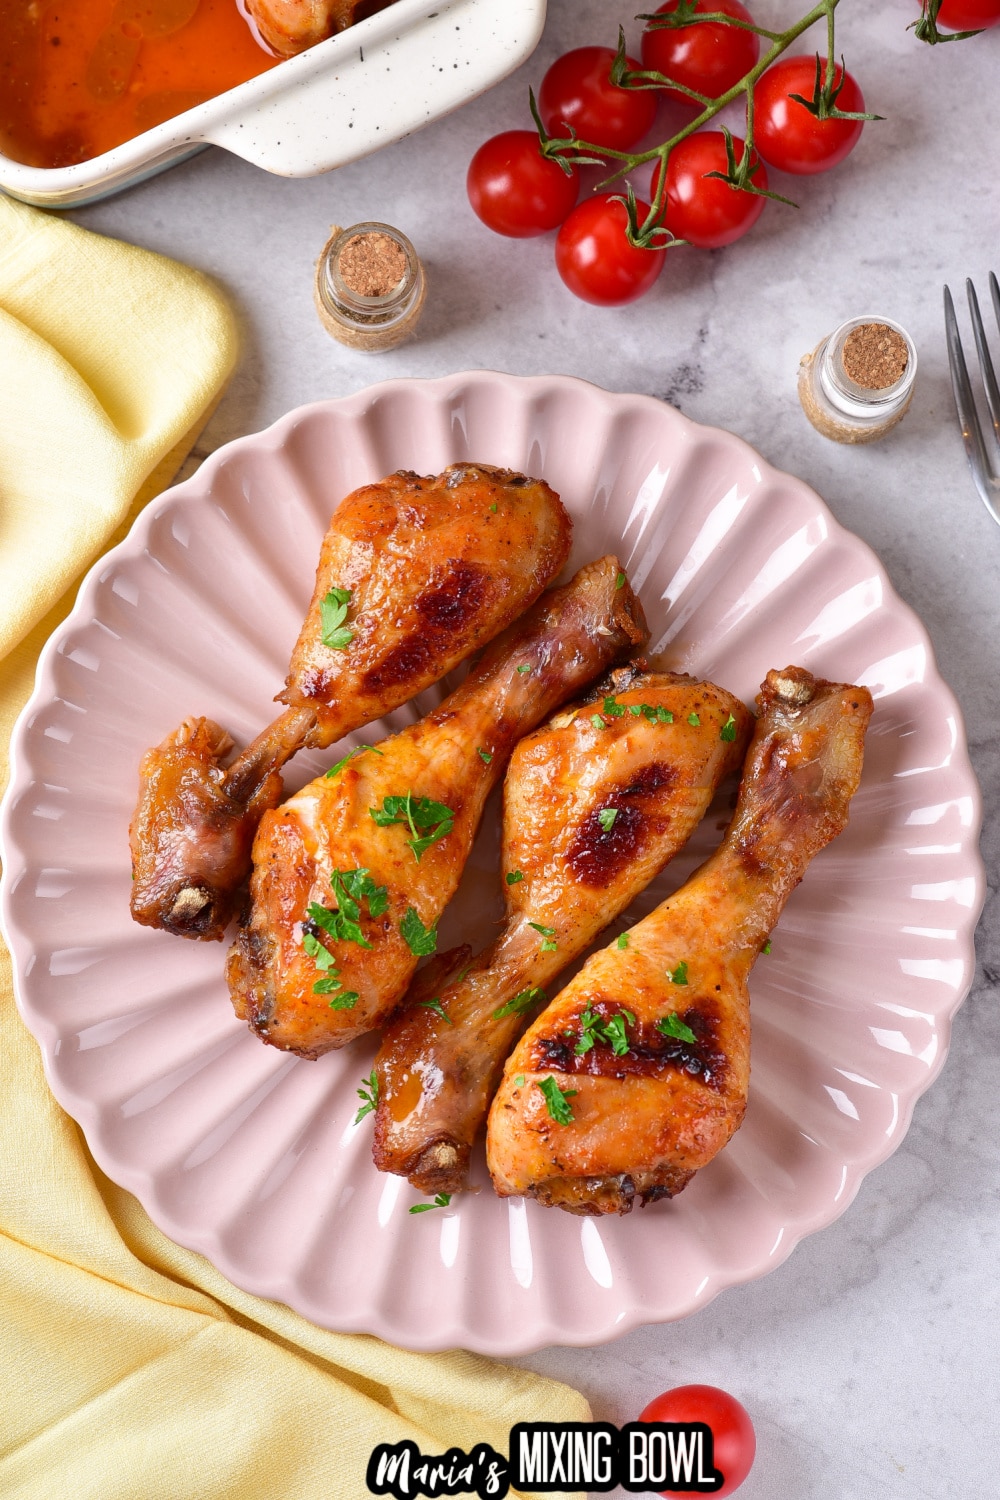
<point x="985" y="362"/>
<point x="971" y="433"/>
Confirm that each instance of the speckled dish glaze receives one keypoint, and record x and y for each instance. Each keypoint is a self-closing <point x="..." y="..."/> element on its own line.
<point x="333" y="104"/>
<point x="253" y="1157"/>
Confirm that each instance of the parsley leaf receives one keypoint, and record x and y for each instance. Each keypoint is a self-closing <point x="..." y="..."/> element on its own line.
<point x="680" y="974"/>
<point x="555" y="1100"/>
<point x="694" y="720"/>
<point x="486" y="755"/>
<point x="524" y="669"/>
<point x="346" y="1000"/>
<point x="350" y="888"/>
<point x="419" y="939"/>
<point x="438" y="1009"/>
<point x="520" y="1004"/>
<point x="427" y="821"/>
<point x="443" y="1199"/>
<point x="358" y="750"/>
<point x="623" y="940"/>
<point x="620" y="581"/>
<point x="597" y="721"/>
<point x="519" y="1080"/>
<point x="548" y="933"/>
<point x="613" y="708"/>
<point x="332" y="613"/>
<point x="728" y="730"/>
<point x="610" y="1032"/>
<point x="767" y="947"/>
<point x="515" y="876"/>
<point x="651" y="711"/>
<point x="672" y="1025"/>
<point x="368" y="1094"/>
<point x="606" y="817"/>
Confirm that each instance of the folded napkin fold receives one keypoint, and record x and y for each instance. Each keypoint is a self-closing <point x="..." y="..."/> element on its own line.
<point x="129" y="1367"/>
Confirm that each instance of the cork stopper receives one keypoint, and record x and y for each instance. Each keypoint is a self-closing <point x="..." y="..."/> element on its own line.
<point x="369" y="287"/>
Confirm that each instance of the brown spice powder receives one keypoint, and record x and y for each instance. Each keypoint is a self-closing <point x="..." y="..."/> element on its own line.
<point x="874" y="356"/>
<point x="372" y="265"/>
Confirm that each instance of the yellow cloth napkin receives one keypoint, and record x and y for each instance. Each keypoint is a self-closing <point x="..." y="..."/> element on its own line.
<point x="129" y="1368"/>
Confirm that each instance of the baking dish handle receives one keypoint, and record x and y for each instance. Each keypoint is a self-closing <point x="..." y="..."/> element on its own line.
<point x="378" y="82"/>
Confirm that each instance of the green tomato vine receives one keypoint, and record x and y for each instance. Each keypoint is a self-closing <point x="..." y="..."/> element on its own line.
<point x="925" y="30"/>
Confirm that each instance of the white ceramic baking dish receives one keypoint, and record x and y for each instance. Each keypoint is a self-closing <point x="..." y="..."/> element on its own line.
<point x="343" y="99"/>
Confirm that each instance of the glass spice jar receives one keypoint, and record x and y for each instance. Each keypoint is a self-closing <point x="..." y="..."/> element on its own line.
<point x="370" y="286"/>
<point x="857" y="384"/>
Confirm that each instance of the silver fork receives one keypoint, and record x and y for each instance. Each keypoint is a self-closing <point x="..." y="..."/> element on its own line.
<point x="987" y="481"/>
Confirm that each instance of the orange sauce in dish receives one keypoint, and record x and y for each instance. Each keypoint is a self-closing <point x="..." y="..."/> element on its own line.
<point x="78" y="77"/>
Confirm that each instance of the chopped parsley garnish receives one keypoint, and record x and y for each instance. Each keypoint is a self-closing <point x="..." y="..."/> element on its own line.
<point x="694" y="720"/>
<point x="680" y="974"/>
<point x="620" y="581"/>
<point x="555" y="1100"/>
<point x="651" y="711"/>
<point x="597" y="721"/>
<point x="346" y="1000"/>
<point x="515" y="876"/>
<point x="427" y="821"/>
<point x="443" y="1199"/>
<point x="332" y="614"/>
<point x="368" y="1094"/>
<point x="350" y="888"/>
<point x="358" y="750"/>
<point x="767" y="947"/>
<point x="438" y="1009"/>
<point x="520" y="1004"/>
<point x="519" y="1080"/>
<point x="623" y="940"/>
<point x="330" y="982"/>
<point x="419" y="939"/>
<point x="728" y="730"/>
<point x="672" y="1025"/>
<point x="493" y="507"/>
<point x="524" y="668"/>
<point x="486" y="755"/>
<point x="606" y="817"/>
<point x="549" y="934"/>
<point x="610" y="1032"/>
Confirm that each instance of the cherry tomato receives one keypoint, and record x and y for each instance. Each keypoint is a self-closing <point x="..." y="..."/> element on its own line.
<point x="517" y="191"/>
<point x="708" y="57"/>
<point x="732" y="1430"/>
<point x="595" y="259"/>
<point x="786" y="134"/>
<point x="577" y="94"/>
<point x="706" y="211"/>
<point x="968" y="15"/>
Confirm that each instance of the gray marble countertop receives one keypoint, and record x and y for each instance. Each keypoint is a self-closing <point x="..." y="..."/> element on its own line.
<point x="870" y="1359"/>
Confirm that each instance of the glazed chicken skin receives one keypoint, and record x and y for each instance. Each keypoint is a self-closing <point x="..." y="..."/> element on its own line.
<point x="290" y="26"/>
<point x="595" y="804"/>
<point x="423" y="572"/>
<point x="594" y="1132"/>
<point x="391" y="829"/>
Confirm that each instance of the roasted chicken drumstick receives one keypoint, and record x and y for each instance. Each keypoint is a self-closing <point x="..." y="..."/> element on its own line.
<point x="352" y="873"/>
<point x="595" y="804"/>
<point x="414" y="575"/>
<point x="595" y="1128"/>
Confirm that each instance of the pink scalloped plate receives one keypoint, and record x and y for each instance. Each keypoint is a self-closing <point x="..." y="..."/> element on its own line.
<point x="253" y="1157"/>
